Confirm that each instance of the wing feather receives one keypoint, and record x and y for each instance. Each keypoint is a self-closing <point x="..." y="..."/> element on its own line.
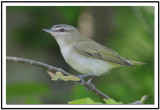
<point x="100" y="52"/>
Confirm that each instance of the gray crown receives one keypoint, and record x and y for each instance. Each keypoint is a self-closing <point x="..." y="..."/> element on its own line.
<point x="65" y="26"/>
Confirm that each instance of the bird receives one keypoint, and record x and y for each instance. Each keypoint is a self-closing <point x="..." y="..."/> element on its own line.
<point x="85" y="55"/>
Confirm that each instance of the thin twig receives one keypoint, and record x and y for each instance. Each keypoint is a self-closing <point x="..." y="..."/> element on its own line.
<point x="52" y="68"/>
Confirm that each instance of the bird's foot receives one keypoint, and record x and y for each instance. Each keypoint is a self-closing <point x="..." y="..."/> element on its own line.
<point x="90" y="84"/>
<point x="82" y="76"/>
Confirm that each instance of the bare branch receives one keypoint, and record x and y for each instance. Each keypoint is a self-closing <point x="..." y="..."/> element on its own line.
<point x="139" y="102"/>
<point x="52" y="68"/>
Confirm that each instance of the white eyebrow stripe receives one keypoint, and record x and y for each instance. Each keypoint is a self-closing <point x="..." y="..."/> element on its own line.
<point x="58" y="28"/>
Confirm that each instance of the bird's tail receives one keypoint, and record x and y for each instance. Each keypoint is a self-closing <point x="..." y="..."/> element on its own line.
<point x="136" y="63"/>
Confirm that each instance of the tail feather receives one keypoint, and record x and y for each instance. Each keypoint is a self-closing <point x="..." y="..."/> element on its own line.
<point x="136" y="63"/>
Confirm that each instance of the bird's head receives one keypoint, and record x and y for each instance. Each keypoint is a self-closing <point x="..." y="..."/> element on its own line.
<point x="62" y="30"/>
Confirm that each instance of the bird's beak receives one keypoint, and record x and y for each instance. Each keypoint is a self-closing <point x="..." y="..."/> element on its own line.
<point x="47" y="30"/>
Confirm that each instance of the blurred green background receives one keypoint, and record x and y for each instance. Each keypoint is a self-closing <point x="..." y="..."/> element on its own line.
<point x="127" y="30"/>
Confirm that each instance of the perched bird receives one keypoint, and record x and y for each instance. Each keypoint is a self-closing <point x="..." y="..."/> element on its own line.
<point x="85" y="55"/>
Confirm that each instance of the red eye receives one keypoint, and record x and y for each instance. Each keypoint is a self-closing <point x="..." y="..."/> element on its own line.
<point x="61" y="30"/>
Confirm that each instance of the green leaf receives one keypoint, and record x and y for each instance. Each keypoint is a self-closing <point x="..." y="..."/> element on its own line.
<point x="84" y="101"/>
<point x="111" y="101"/>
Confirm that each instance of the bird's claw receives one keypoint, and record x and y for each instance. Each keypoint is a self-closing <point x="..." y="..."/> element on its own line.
<point x="92" y="86"/>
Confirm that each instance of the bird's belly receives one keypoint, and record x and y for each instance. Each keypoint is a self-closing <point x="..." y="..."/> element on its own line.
<point x="85" y="64"/>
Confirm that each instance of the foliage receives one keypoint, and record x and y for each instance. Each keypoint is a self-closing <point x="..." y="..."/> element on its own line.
<point x="27" y="92"/>
<point x="111" y="101"/>
<point x="105" y="101"/>
<point x="84" y="101"/>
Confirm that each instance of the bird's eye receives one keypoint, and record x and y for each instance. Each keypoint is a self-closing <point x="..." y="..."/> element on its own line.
<point x="61" y="30"/>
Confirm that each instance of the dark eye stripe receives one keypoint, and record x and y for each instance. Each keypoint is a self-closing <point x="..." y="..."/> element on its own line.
<point x="61" y="30"/>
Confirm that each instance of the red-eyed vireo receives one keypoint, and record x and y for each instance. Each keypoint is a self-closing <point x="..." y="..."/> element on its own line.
<point x="85" y="55"/>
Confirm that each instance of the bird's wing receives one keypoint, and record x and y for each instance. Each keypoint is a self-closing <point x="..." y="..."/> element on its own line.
<point x="97" y="51"/>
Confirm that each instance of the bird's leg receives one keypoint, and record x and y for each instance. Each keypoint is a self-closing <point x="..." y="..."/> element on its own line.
<point x="91" y="84"/>
<point x="85" y="75"/>
<point x="82" y="76"/>
<point x="82" y="81"/>
<point x="89" y="81"/>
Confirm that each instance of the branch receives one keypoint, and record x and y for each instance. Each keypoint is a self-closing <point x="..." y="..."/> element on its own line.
<point x="52" y="68"/>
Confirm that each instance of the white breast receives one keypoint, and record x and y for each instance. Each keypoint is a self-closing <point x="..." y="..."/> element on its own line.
<point x="84" y="64"/>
